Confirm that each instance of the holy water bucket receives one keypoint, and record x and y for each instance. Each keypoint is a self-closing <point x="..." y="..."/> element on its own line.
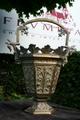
<point x="41" y="69"/>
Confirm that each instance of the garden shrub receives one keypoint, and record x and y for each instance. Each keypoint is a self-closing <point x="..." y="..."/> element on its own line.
<point x="68" y="88"/>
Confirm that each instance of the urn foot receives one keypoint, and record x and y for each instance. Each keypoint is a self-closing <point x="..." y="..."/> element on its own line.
<point x="40" y="108"/>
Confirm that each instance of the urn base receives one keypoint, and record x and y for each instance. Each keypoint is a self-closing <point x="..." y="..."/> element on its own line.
<point x="40" y="108"/>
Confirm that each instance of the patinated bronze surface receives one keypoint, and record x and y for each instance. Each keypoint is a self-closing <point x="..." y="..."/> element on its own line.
<point x="41" y="68"/>
<point x="41" y="71"/>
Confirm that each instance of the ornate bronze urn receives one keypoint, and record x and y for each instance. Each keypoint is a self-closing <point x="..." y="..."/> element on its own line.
<point x="41" y="69"/>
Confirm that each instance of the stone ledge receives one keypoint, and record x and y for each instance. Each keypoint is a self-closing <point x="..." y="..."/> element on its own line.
<point x="15" y="111"/>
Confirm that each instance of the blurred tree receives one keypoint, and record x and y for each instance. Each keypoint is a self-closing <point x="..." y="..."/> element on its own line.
<point x="29" y="6"/>
<point x="11" y="77"/>
<point x="68" y="88"/>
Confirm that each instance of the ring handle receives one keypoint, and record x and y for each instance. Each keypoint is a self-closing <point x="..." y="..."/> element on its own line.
<point x="42" y="20"/>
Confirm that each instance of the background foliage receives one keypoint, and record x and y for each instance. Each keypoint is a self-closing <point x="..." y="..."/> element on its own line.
<point x="11" y="78"/>
<point x="67" y="93"/>
<point x="68" y="88"/>
<point x="30" y="6"/>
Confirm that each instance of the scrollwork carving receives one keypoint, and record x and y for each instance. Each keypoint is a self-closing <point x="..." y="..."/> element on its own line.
<point x="41" y="79"/>
<point x="29" y="78"/>
<point x="45" y="78"/>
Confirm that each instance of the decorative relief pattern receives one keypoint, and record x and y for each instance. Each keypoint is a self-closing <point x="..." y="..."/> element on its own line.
<point x="44" y="76"/>
<point x="49" y="78"/>
<point x="55" y="78"/>
<point x="41" y="73"/>
<point x="32" y="49"/>
<point x="42" y="108"/>
<point x="29" y="74"/>
<point x="46" y="79"/>
<point x="41" y="79"/>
